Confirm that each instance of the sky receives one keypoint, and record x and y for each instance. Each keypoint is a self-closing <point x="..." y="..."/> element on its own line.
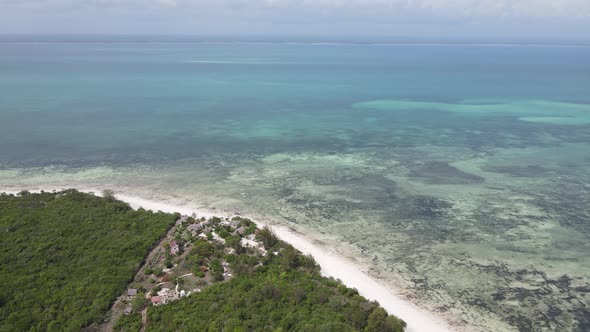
<point x="504" y="19"/>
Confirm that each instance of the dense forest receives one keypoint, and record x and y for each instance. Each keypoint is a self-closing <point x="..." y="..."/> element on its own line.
<point x="66" y="256"/>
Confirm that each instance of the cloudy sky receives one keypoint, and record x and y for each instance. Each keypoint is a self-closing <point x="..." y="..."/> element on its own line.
<point x="567" y="19"/>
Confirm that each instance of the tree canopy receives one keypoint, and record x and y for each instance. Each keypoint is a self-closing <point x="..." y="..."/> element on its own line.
<point x="273" y="299"/>
<point x="65" y="257"/>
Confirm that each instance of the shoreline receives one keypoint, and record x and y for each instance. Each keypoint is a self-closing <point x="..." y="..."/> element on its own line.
<point x="332" y="265"/>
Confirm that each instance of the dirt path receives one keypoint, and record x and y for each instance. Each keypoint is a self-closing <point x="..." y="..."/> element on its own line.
<point x="150" y="257"/>
<point x="117" y="308"/>
<point x="143" y="319"/>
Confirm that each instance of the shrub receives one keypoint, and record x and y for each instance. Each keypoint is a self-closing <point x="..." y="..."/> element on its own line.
<point x="267" y="237"/>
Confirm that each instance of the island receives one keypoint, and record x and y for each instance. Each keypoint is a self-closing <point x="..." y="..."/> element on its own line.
<point x="76" y="261"/>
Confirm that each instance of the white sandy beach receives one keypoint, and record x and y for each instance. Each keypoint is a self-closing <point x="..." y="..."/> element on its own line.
<point x="332" y="265"/>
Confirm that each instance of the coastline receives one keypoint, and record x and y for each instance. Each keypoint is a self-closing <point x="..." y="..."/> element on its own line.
<point x="332" y="265"/>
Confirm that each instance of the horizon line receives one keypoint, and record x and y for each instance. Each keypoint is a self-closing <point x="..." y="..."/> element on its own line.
<point x="286" y="39"/>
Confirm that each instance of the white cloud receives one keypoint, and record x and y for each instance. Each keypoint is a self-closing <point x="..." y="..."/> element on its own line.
<point x="542" y="18"/>
<point x="168" y="3"/>
<point x="530" y="8"/>
<point x="453" y="8"/>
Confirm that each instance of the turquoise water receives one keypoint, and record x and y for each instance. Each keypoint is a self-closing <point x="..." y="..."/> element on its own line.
<point x="459" y="174"/>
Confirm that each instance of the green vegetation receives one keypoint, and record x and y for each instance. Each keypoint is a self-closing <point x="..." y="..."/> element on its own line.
<point x="128" y="323"/>
<point x="282" y="292"/>
<point x="139" y="302"/>
<point x="65" y="257"/>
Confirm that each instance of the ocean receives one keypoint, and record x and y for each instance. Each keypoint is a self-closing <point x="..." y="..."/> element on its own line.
<point x="458" y="174"/>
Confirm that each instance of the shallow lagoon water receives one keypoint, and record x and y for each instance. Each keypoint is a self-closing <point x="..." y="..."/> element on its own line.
<point x="458" y="174"/>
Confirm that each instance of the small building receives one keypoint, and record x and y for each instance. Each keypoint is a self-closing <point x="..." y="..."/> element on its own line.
<point x="128" y="311"/>
<point x="131" y="292"/>
<point x="195" y="228"/>
<point x="174" y="249"/>
<point x="240" y="231"/>
<point x="167" y="295"/>
<point x="248" y="243"/>
<point x="155" y="300"/>
<point x="218" y="238"/>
